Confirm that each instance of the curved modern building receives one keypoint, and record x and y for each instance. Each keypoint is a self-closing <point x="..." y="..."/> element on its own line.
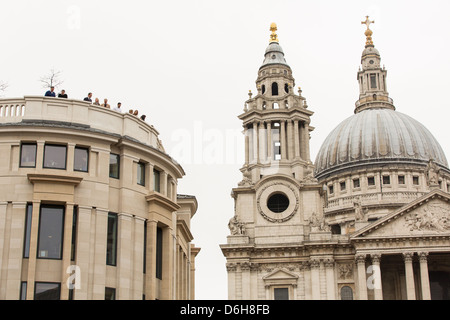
<point x="89" y="206"/>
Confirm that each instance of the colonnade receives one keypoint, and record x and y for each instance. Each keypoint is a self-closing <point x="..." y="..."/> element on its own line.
<point x="262" y="137"/>
<point x="374" y="281"/>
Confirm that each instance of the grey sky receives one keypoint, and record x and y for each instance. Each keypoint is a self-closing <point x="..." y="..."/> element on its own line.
<point x="188" y="65"/>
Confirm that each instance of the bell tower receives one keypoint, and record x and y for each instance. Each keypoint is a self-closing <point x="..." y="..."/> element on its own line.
<point x="276" y="121"/>
<point x="278" y="199"/>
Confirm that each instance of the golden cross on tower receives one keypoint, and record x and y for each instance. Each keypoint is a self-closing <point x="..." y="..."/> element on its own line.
<point x="273" y="36"/>
<point x="368" y="32"/>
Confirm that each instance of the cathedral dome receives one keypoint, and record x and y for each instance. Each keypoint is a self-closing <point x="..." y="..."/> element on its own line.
<point x="375" y="136"/>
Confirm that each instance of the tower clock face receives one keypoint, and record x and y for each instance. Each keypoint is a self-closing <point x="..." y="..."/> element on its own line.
<point x="277" y="201"/>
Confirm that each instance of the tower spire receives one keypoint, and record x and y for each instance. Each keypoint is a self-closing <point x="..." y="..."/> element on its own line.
<point x="273" y="36"/>
<point x="368" y="32"/>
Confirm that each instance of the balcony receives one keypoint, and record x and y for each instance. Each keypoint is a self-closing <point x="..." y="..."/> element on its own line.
<point x="79" y="113"/>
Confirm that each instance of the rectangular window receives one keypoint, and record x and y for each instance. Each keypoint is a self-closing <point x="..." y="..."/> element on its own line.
<point x="74" y="233"/>
<point x="159" y="252"/>
<point x="386" y="180"/>
<point x="356" y="183"/>
<point x="371" y="181"/>
<point x="281" y="293"/>
<point x="331" y="189"/>
<point x="110" y="293"/>
<point x="50" y="237"/>
<point x="55" y="156"/>
<point x="114" y="166"/>
<point x="156" y="180"/>
<point x="23" y="290"/>
<point x="373" y="81"/>
<point x="81" y="159"/>
<point x="401" y="179"/>
<point x="145" y="247"/>
<point x="141" y="173"/>
<point x="111" y="244"/>
<point x="26" y="245"/>
<point x="47" y="291"/>
<point x="416" y="180"/>
<point x="342" y="184"/>
<point x="28" y="155"/>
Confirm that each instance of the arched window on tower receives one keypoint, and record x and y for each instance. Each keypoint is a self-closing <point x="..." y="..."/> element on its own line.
<point x="274" y="89"/>
<point x="286" y="88"/>
<point x="263" y="88"/>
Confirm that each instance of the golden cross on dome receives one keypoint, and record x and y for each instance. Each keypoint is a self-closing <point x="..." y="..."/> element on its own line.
<point x="273" y="36"/>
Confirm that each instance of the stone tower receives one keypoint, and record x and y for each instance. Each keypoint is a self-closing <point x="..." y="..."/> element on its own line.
<point x="278" y="200"/>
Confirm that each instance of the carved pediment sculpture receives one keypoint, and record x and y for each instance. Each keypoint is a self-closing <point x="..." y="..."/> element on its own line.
<point x="434" y="217"/>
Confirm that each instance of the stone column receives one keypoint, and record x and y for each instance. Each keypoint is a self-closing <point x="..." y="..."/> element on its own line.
<point x="150" y="278"/>
<point x="306" y="140"/>
<point x="290" y="139"/>
<point x="246" y="283"/>
<point x="283" y="139"/>
<point x="15" y="248"/>
<point x="378" y="291"/>
<point x="247" y="147"/>
<point x="124" y="256"/>
<point x="315" y="279"/>
<point x="231" y="271"/>
<point x="296" y="140"/>
<point x="269" y="142"/>
<point x="409" y="275"/>
<point x="424" y="278"/>
<point x="262" y="143"/>
<point x="362" y="285"/>
<point x="329" y="268"/>
<point x="83" y="251"/>
<point x="67" y="248"/>
<point x="255" y="142"/>
<point x="99" y="258"/>
<point x="33" y="249"/>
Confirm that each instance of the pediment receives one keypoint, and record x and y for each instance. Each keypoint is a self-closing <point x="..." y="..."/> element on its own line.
<point x="426" y="216"/>
<point x="280" y="274"/>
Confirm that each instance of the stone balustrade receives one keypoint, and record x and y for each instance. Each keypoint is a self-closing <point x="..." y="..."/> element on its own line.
<point x="70" y="112"/>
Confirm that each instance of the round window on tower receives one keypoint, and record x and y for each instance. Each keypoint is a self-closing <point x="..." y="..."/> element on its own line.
<point x="278" y="202"/>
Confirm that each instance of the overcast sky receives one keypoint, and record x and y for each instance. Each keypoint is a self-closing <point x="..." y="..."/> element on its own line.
<point x="188" y="65"/>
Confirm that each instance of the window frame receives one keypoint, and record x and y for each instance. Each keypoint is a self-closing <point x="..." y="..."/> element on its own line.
<point x="65" y="156"/>
<point x="111" y="254"/>
<point x="61" y="240"/>
<point x="141" y="166"/>
<point x="118" y="165"/>
<point x="21" y="152"/>
<point x="156" y="180"/>
<point x="87" y="158"/>
<point x="58" y="285"/>
<point x="27" y="230"/>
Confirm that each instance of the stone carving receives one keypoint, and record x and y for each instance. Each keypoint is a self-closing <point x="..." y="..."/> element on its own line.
<point x="236" y="227"/>
<point x="309" y="176"/>
<point x="318" y="224"/>
<point x="246" y="180"/>
<point x="429" y="218"/>
<point x="360" y="214"/>
<point x="432" y="173"/>
<point x="345" y="271"/>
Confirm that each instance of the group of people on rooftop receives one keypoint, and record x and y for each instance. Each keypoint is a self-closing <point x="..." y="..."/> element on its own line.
<point x="63" y="94"/>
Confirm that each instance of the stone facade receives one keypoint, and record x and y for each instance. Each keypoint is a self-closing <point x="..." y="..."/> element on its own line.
<point x="121" y="229"/>
<point x="369" y="220"/>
